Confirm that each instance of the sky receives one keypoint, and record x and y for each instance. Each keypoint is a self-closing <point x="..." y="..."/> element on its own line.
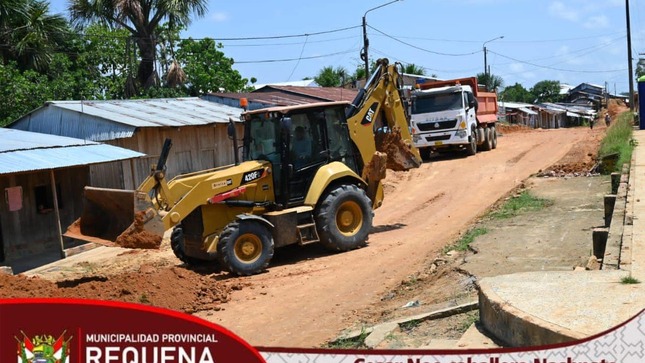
<point x="571" y="41"/>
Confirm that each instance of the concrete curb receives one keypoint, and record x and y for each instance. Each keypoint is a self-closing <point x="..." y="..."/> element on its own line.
<point x="514" y="327"/>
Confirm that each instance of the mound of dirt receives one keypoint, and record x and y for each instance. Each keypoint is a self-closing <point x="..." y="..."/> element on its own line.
<point x="173" y="288"/>
<point x="137" y="237"/>
<point x="581" y="160"/>
<point x="509" y="129"/>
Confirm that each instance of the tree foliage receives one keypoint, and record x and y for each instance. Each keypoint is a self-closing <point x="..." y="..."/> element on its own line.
<point x="412" y="68"/>
<point x="517" y="93"/>
<point x="332" y="77"/>
<point x="29" y="34"/>
<point x="547" y="91"/>
<point x="491" y="81"/>
<point x="207" y="68"/>
<point x="141" y="18"/>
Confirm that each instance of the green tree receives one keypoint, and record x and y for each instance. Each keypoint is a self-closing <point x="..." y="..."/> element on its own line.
<point x="491" y="81"/>
<point x="30" y="34"/>
<point x="207" y="68"/>
<point x="640" y="68"/>
<point x="141" y="18"/>
<point x="412" y="68"/>
<point x="517" y="93"/>
<point x="332" y="77"/>
<point x="547" y="91"/>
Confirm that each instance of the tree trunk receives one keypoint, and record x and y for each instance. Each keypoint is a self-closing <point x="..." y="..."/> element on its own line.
<point x="146" y="74"/>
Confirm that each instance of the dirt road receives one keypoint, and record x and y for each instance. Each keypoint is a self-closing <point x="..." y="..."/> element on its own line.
<point x="308" y="295"/>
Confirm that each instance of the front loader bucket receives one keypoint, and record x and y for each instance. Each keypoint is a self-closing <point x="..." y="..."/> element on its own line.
<point x="117" y="218"/>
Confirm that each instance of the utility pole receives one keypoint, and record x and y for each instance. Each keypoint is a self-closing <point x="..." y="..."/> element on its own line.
<point x="366" y="42"/>
<point x="486" y="70"/>
<point x="629" y="58"/>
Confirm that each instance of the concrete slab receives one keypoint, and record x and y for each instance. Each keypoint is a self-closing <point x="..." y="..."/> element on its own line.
<point x="475" y="338"/>
<point x="537" y="308"/>
<point x="379" y="333"/>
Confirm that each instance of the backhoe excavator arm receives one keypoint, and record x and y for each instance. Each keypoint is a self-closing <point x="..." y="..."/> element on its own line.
<point x="379" y="127"/>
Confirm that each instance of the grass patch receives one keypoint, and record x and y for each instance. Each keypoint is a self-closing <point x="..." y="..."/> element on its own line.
<point x="349" y="343"/>
<point x="471" y="318"/>
<point x="618" y="141"/>
<point x="409" y="325"/>
<point x="525" y="202"/>
<point x="628" y="280"/>
<point x="466" y="239"/>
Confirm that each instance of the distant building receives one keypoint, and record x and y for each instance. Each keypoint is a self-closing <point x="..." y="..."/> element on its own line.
<point x="42" y="179"/>
<point x="197" y="129"/>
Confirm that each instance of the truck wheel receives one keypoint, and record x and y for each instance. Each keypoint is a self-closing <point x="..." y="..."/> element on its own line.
<point x="245" y="248"/>
<point x="177" y="245"/>
<point x="471" y="148"/>
<point x="344" y="218"/>
<point x="494" y="139"/>
<point x="425" y="153"/>
<point x="488" y="142"/>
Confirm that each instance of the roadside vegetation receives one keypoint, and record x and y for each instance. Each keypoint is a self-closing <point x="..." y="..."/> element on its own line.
<point x="524" y="202"/>
<point x="618" y="141"/>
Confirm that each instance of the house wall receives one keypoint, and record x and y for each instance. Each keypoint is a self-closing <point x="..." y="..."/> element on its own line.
<point x="27" y="231"/>
<point x="194" y="148"/>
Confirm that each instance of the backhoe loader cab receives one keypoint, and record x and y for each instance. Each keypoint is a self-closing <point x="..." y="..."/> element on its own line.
<point x="298" y="141"/>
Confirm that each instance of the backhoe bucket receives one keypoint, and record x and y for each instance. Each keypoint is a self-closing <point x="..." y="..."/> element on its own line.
<point x="117" y="218"/>
<point x="400" y="155"/>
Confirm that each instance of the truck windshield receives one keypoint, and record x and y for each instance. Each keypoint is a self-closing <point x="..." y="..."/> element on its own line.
<point x="260" y="139"/>
<point x="437" y="102"/>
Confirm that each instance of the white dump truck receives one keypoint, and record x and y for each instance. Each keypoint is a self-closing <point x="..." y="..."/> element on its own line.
<point x="453" y="115"/>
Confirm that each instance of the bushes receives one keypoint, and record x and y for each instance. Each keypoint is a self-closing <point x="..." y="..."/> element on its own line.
<point x="618" y="140"/>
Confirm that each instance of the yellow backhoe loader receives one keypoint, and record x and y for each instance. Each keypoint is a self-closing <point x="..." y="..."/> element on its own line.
<point x="310" y="173"/>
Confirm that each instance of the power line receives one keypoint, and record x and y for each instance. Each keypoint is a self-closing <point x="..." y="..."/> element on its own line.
<point x="557" y="69"/>
<point x="299" y="58"/>
<point x="294" y="59"/>
<point x="422" y="49"/>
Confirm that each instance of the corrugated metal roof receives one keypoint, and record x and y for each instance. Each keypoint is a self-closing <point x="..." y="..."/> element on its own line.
<point x="160" y="112"/>
<point x="527" y="111"/>
<point x="22" y="151"/>
<point x="322" y="93"/>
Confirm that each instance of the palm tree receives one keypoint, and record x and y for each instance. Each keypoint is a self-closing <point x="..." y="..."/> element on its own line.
<point x="31" y="34"/>
<point x="142" y="19"/>
<point x="331" y="77"/>
<point x="412" y="68"/>
<point x="491" y="81"/>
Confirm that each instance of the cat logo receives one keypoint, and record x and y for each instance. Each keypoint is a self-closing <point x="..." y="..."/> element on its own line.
<point x="369" y="116"/>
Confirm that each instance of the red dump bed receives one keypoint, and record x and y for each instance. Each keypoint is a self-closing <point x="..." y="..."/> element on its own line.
<point x="487" y="108"/>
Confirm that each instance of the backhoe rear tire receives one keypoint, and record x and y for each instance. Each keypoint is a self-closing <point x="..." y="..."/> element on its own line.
<point x="344" y="218"/>
<point x="177" y="245"/>
<point x="245" y="248"/>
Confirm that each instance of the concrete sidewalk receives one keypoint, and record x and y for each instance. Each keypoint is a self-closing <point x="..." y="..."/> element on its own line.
<point x="549" y="307"/>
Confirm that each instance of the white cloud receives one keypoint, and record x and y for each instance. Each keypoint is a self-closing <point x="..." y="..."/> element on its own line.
<point x="517" y="67"/>
<point x="594" y="22"/>
<point x="219" y="17"/>
<point x="558" y="9"/>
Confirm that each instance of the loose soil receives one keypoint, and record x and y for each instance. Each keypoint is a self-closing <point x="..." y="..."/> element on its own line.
<point x="309" y="295"/>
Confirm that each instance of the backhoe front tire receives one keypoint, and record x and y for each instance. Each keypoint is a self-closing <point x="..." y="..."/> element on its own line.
<point x="177" y="245"/>
<point x="245" y="248"/>
<point x="344" y="218"/>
